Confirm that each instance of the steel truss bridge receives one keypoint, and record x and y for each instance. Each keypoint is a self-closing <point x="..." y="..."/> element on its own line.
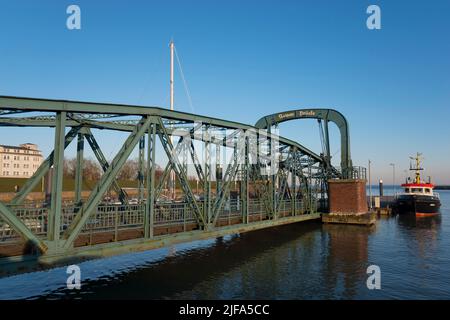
<point x="281" y="182"/>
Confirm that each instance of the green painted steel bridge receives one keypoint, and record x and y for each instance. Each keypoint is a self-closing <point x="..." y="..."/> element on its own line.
<point x="248" y="178"/>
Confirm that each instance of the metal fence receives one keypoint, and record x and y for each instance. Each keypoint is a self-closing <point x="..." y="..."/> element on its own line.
<point x="355" y="172"/>
<point x="116" y="217"/>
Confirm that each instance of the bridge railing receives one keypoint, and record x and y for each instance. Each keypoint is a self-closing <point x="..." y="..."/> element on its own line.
<point x="116" y="217"/>
<point x="33" y="218"/>
<point x="359" y="172"/>
<point x="355" y="172"/>
<point x="168" y="214"/>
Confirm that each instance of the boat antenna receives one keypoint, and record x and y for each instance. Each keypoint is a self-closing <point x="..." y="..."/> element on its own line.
<point x="417" y="167"/>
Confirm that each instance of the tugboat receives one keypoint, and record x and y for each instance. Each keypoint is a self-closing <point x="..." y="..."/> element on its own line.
<point x="418" y="197"/>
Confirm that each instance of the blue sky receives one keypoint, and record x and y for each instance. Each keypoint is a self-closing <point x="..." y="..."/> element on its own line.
<point x="243" y="60"/>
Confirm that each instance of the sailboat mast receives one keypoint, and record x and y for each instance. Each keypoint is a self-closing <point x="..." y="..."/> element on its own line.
<point x="172" y="173"/>
<point x="171" y="74"/>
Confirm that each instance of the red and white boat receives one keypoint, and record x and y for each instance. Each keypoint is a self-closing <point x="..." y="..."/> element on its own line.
<point x="418" y="197"/>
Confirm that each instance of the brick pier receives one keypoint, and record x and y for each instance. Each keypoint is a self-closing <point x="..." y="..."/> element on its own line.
<point x="348" y="203"/>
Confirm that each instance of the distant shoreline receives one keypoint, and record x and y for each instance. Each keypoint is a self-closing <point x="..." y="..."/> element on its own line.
<point x="389" y="186"/>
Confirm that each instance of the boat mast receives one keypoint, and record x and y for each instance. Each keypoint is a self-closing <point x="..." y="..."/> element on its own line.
<point x="417" y="168"/>
<point x="172" y="174"/>
<point x="171" y="74"/>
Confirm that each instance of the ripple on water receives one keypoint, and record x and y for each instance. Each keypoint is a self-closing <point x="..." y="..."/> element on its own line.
<point x="302" y="261"/>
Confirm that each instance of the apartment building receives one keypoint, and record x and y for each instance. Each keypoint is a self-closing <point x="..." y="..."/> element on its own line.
<point x="19" y="161"/>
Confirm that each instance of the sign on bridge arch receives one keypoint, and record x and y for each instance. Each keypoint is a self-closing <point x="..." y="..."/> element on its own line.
<point x="298" y="114"/>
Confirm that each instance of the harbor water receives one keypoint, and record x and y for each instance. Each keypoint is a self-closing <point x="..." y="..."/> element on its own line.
<point x="301" y="261"/>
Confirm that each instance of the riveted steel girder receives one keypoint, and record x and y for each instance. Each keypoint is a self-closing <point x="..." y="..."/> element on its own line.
<point x="177" y="168"/>
<point x="54" y="217"/>
<point x="104" y="164"/>
<point x="31" y="104"/>
<point x="230" y="174"/>
<point x="150" y="177"/>
<point x="79" y="168"/>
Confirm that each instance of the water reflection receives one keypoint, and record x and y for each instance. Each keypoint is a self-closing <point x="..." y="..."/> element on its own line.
<point x="347" y="259"/>
<point x="421" y="233"/>
<point x="411" y="221"/>
<point x="299" y="261"/>
<point x="286" y="267"/>
<point x="239" y="263"/>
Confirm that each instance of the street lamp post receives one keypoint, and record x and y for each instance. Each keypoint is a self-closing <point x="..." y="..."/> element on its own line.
<point x="393" y="176"/>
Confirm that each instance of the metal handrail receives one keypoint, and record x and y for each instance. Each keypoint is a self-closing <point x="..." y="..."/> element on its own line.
<point x="114" y="217"/>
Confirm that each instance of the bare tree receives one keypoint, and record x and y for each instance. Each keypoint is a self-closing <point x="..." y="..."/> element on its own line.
<point x="92" y="170"/>
<point x="158" y="173"/>
<point x="129" y="171"/>
<point x="69" y="167"/>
